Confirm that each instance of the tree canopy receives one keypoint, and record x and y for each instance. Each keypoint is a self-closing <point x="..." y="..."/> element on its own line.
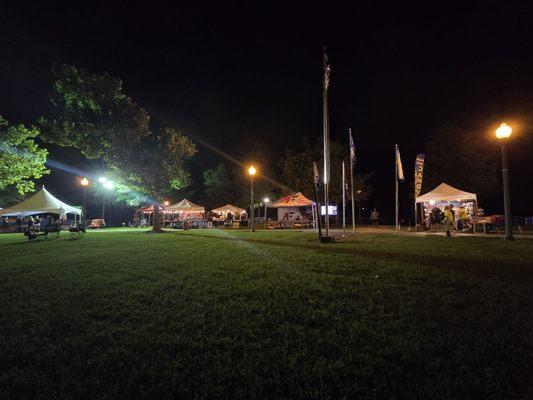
<point x="92" y="114"/>
<point x="21" y="159"/>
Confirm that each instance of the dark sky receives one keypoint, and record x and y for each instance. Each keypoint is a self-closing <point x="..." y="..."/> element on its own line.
<point x="237" y="73"/>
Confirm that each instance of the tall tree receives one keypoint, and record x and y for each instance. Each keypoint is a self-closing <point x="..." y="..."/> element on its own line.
<point x="21" y="159"/>
<point x="155" y="166"/>
<point x="461" y="158"/>
<point x="92" y="114"/>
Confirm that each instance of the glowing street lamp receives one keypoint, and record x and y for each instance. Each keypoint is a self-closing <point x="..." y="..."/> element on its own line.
<point x="166" y="203"/>
<point x="108" y="185"/>
<point x="252" y="171"/>
<point x="503" y="133"/>
<point x="102" y="179"/>
<point x="84" y="183"/>
<point x="266" y="200"/>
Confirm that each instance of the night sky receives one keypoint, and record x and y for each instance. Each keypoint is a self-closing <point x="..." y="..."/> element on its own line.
<point x="239" y="74"/>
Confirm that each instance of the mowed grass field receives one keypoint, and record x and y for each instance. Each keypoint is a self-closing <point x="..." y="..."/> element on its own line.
<point x="224" y="314"/>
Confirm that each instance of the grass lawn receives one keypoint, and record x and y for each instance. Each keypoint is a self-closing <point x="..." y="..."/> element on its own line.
<point x="223" y="314"/>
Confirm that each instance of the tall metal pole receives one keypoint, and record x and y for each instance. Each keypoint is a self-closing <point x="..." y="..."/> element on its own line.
<point x="396" y="186"/>
<point x="506" y="194"/>
<point x="103" y="208"/>
<point x="252" y="222"/>
<point x="351" y="185"/>
<point x="325" y="127"/>
<point x="84" y="202"/>
<point x="343" y="201"/>
<point x="266" y="223"/>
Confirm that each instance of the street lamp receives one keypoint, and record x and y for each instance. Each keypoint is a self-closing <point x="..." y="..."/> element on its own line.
<point x="266" y="200"/>
<point x="107" y="184"/>
<point x="359" y="192"/>
<point x="252" y="171"/>
<point x="84" y="183"/>
<point x="166" y="203"/>
<point x="503" y="133"/>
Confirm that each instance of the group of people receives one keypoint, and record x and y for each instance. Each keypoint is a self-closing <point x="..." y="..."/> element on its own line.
<point x="39" y="224"/>
<point x="451" y="220"/>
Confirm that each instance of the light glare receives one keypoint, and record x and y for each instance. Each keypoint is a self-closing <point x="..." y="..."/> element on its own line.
<point x="504" y="131"/>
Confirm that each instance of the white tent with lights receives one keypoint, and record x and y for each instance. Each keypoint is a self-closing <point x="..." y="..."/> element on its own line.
<point x="443" y="193"/>
<point x="41" y="202"/>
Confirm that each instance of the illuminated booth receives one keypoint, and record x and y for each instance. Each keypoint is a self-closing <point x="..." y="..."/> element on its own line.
<point x="294" y="210"/>
<point x="146" y="214"/>
<point x="186" y="210"/>
<point x="41" y="202"/>
<point x="228" y="212"/>
<point x="446" y="195"/>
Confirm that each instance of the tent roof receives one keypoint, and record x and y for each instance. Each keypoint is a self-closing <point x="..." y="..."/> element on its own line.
<point x="293" y="200"/>
<point x="149" y="209"/>
<point x="229" y="208"/>
<point x="445" y="192"/>
<point x="186" y="205"/>
<point x="41" y="202"/>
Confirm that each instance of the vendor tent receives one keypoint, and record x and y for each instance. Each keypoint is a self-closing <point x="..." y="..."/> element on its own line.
<point x="294" y="209"/>
<point x="186" y="205"/>
<point x="41" y="202"/>
<point x="292" y="200"/>
<point x="149" y="209"/>
<point x="221" y="213"/>
<point x="445" y="192"/>
<point x="228" y="208"/>
<point x="186" y="210"/>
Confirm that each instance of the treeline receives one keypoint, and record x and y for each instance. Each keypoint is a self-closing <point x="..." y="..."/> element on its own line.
<point x="91" y="113"/>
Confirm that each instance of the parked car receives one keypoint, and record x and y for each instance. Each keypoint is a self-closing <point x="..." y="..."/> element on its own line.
<point x="97" y="223"/>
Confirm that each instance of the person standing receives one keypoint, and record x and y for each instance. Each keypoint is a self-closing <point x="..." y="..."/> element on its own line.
<point x="448" y="220"/>
<point x="374" y="217"/>
<point x="463" y="218"/>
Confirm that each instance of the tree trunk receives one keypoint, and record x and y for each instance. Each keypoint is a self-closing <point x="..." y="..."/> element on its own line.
<point x="157" y="225"/>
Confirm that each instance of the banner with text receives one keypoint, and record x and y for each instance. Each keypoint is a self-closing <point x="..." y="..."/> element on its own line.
<point x="419" y="170"/>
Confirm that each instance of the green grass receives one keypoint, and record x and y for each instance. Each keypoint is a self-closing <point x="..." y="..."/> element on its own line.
<point x="225" y="314"/>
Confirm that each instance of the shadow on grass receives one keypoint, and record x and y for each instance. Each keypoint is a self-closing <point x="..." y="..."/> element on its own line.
<point x="488" y="267"/>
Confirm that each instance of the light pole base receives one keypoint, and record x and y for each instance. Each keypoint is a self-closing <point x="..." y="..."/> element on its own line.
<point x="327" y="239"/>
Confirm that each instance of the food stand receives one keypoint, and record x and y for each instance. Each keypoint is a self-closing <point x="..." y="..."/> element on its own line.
<point x="186" y="210"/>
<point x="294" y="210"/>
<point x="228" y="215"/>
<point x="446" y="195"/>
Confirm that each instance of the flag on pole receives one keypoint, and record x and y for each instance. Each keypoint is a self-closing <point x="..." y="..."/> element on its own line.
<point x="352" y="148"/>
<point x="399" y="164"/>
<point x="316" y="176"/>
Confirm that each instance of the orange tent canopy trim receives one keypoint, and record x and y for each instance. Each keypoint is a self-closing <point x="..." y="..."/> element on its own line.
<point x="292" y="200"/>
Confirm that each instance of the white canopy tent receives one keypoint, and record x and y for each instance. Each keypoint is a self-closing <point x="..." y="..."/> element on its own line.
<point x="41" y="202"/>
<point x="186" y="210"/>
<point x="229" y="208"/>
<point x="445" y="192"/>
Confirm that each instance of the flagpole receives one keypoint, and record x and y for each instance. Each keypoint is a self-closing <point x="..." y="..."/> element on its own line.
<point x="325" y="128"/>
<point x="396" y="185"/>
<point x="343" y="201"/>
<point x="316" y="179"/>
<point x="351" y="180"/>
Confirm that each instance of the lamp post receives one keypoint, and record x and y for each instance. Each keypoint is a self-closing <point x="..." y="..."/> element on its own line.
<point x="252" y="171"/>
<point x="359" y="192"/>
<point x="84" y="183"/>
<point x="503" y="133"/>
<point x="266" y="200"/>
<point x="107" y="184"/>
